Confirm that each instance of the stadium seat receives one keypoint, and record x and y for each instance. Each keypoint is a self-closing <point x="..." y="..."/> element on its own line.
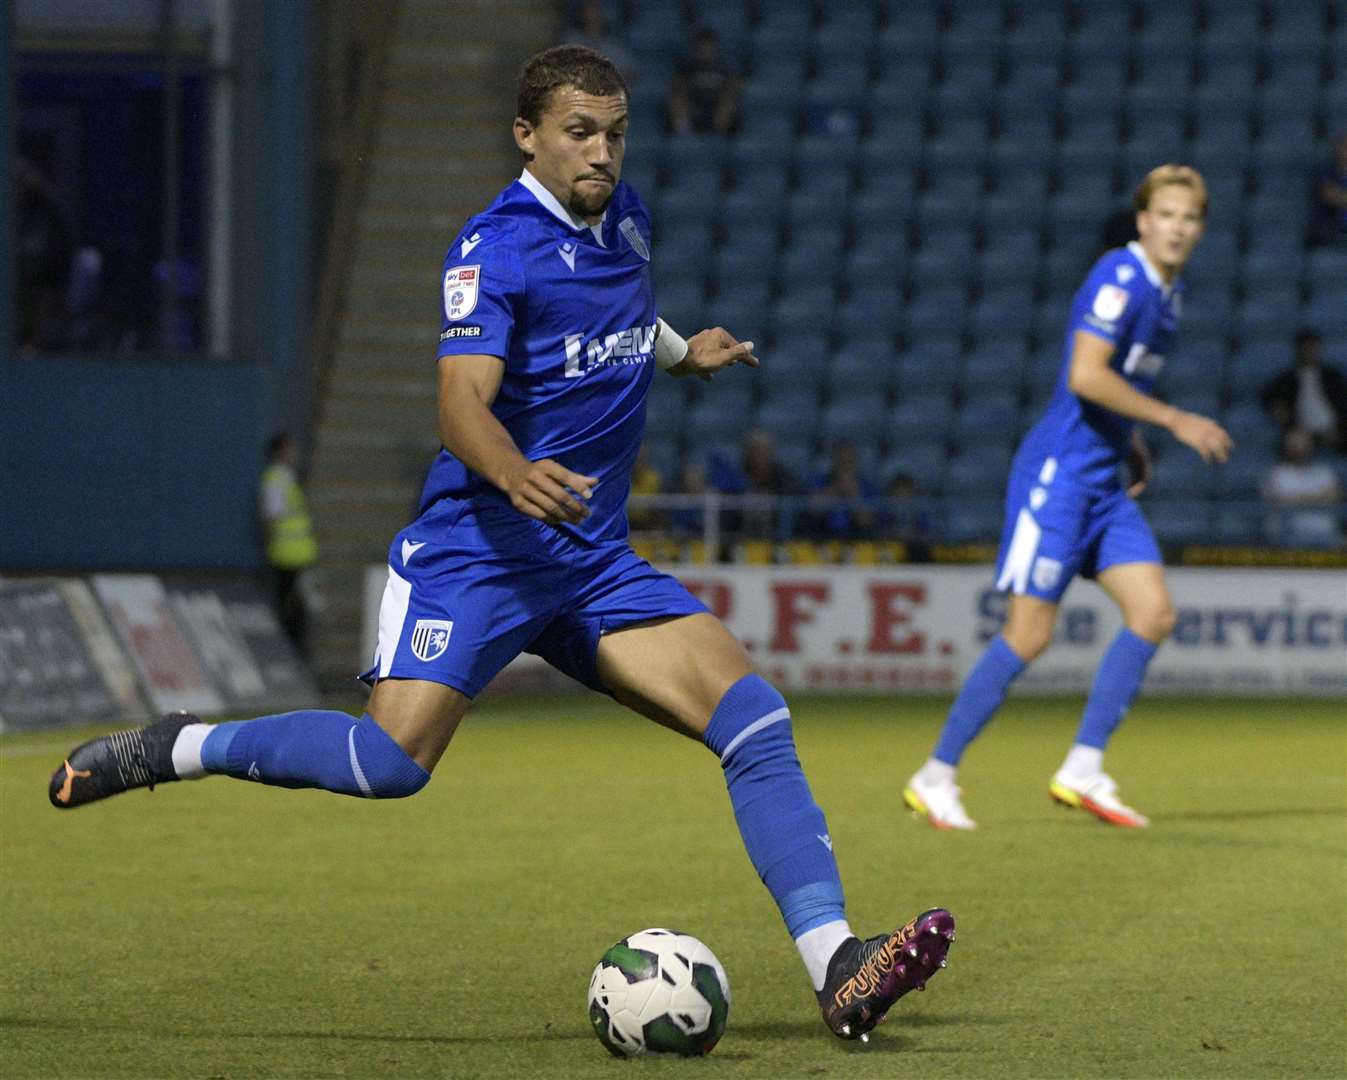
<point x="801" y="263"/>
<point x="1326" y="310"/>
<point x="1241" y="477"/>
<point x="864" y="363"/>
<point x="979" y="471"/>
<point x="870" y="311"/>
<point x="919" y="417"/>
<point x="929" y="365"/>
<point x="1239" y="522"/>
<point x="944" y="259"/>
<point x="1010" y="258"/>
<point x="666" y="411"/>
<point x="853" y="418"/>
<point x="1248" y="424"/>
<point x="804" y="308"/>
<point x="1180" y="475"/>
<point x="793" y="416"/>
<point x="920" y="458"/>
<point x="1178" y="521"/>
<point x="993" y="368"/>
<point x="1006" y="311"/>
<point x="797" y="363"/>
<point x="876" y="259"/>
<point x="938" y="309"/>
<point x="718" y="417"/>
<point x="971" y="520"/>
<point x="682" y="305"/>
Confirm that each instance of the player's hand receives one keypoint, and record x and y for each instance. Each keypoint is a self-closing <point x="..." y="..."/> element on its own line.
<point x="548" y="491"/>
<point x="1205" y="436"/>
<point x="717" y="348"/>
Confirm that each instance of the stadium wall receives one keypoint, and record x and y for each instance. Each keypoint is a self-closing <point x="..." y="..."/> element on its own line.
<point x="125" y="463"/>
<point x="920" y="628"/>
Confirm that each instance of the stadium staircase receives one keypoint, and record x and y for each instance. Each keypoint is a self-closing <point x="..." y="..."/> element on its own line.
<point x="440" y="150"/>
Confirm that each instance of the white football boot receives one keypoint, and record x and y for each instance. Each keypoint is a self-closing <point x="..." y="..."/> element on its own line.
<point x="1097" y="793"/>
<point x="938" y="801"/>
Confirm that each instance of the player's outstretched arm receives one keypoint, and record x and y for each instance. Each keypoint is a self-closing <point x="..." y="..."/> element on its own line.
<point x="1092" y="379"/>
<point x="711" y="350"/>
<point x="545" y="489"/>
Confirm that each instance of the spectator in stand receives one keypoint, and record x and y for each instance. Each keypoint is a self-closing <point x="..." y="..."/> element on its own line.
<point x="1302" y="495"/>
<point x="905" y="516"/>
<point x="761" y="474"/>
<point x="592" y="30"/>
<point x="44" y="244"/>
<point x="1329" y="222"/>
<point x="842" y="507"/>
<point x="645" y="480"/>
<point x="689" y="522"/>
<point x="1311" y="395"/>
<point x="705" y="92"/>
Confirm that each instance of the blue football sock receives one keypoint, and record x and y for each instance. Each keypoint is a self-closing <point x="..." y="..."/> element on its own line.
<point x="1116" y="683"/>
<point x="783" y="829"/>
<point x="314" y="749"/>
<point x="982" y="694"/>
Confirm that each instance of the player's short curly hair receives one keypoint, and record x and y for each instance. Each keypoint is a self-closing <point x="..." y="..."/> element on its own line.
<point x="565" y="65"/>
<point x="1162" y="175"/>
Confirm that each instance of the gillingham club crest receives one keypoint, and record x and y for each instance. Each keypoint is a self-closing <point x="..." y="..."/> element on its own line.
<point x="430" y="637"/>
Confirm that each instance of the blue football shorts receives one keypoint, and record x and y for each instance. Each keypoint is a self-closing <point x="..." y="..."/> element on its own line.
<point x="1056" y="529"/>
<point x="472" y="585"/>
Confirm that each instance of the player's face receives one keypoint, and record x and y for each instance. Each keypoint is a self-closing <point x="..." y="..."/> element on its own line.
<point x="1171" y="226"/>
<point x="577" y="147"/>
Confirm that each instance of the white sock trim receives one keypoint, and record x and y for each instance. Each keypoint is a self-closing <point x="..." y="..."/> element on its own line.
<point x="817" y="947"/>
<point x="187" y="751"/>
<point x="754" y="728"/>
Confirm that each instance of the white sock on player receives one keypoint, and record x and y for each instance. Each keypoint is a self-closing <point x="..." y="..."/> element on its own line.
<point x="1083" y="761"/>
<point x="817" y="947"/>
<point x="187" y="751"/>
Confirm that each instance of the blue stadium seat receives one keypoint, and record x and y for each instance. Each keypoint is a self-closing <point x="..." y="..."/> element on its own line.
<point x="1030" y="90"/>
<point x="759" y="162"/>
<point x="876" y="259"/>
<point x="666" y="411"/>
<point x="798" y="363"/>
<point x="1029" y="184"/>
<point x="853" y="417"/>
<point x="1326" y="310"/>
<point x="971" y="520"/>
<point x="911" y="27"/>
<point x="734" y="264"/>
<point x="1224" y="94"/>
<point x="1007" y="311"/>
<point x="664" y="457"/>
<point x="803" y="309"/>
<point x="920" y="459"/>
<point x="919" y="417"/>
<point x="1240" y="522"/>
<point x="929" y="365"/>
<point x="1242" y="476"/>
<point x="1252" y="365"/>
<point x="886" y="204"/>
<point x="865" y="362"/>
<point x="792" y="416"/>
<point x="1012" y="256"/>
<point x="801" y="263"/>
<point x="743" y="313"/>
<point x="1248" y="424"/>
<point x="872" y="311"/>
<point x="1274" y="312"/>
<point x="978" y="471"/>
<point x="683" y="305"/>
<point x="992" y="368"/>
<point x="824" y="202"/>
<point x="1326" y="265"/>
<point x="1180" y="475"/>
<point x="943" y="261"/>
<point x="717" y="417"/>
<point x="747" y="205"/>
<point x="1178" y="521"/>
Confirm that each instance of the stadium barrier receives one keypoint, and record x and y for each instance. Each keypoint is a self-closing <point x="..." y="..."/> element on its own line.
<point x="119" y="648"/>
<point x="1261" y="631"/>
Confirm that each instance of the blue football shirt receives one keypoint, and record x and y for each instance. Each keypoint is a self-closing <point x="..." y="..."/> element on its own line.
<point x="570" y="309"/>
<point x="1125" y="301"/>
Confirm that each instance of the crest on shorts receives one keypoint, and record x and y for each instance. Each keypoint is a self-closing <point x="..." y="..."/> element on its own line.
<point x="628" y="229"/>
<point x="460" y="291"/>
<point x="1046" y="572"/>
<point x="430" y="637"/>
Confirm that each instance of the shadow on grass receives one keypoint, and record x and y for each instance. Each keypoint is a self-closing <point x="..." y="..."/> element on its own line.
<point x="1253" y="815"/>
<point x="888" y="1039"/>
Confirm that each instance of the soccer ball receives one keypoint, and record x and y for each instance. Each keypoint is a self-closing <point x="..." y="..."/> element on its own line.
<point x="660" y="992"/>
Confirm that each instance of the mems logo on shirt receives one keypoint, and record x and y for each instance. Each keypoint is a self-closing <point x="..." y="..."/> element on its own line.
<point x="635" y="345"/>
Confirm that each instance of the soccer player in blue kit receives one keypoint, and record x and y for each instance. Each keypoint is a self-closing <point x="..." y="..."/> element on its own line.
<point x="1067" y="511"/>
<point x="548" y="345"/>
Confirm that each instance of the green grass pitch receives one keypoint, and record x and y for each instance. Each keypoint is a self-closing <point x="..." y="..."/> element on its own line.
<point x="224" y="930"/>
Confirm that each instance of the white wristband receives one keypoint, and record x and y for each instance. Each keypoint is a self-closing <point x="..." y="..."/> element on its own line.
<point x="670" y="348"/>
